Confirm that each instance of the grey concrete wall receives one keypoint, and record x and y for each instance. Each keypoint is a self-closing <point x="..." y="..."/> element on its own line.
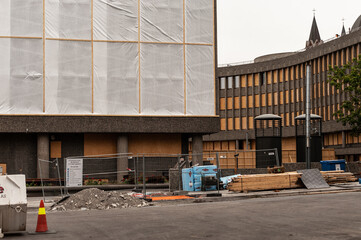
<point x="197" y="149"/>
<point x="122" y="162"/>
<point x="43" y="151"/>
<point x="108" y="124"/>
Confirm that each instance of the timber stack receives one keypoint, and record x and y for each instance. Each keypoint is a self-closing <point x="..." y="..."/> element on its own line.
<point x="338" y="176"/>
<point x="258" y="182"/>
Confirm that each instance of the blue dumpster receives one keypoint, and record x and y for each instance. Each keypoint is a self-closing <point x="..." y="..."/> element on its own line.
<point x="192" y="177"/>
<point x="188" y="179"/>
<point x="333" y="165"/>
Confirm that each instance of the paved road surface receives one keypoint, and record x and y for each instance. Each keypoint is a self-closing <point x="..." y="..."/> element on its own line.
<point x="325" y="216"/>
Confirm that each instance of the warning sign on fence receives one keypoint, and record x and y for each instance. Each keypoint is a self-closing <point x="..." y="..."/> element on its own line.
<point x="74" y="172"/>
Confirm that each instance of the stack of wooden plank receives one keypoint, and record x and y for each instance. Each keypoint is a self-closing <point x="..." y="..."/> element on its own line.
<point x="338" y="176"/>
<point x="256" y="182"/>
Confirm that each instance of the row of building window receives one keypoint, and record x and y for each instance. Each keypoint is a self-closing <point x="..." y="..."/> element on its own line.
<point x="288" y="119"/>
<point x="295" y="72"/>
<point x="334" y="139"/>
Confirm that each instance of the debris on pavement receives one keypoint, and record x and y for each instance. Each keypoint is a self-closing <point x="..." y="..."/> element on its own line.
<point x="94" y="198"/>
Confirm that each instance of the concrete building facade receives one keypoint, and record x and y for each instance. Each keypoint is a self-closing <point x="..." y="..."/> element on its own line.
<point x="92" y="77"/>
<point x="276" y="84"/>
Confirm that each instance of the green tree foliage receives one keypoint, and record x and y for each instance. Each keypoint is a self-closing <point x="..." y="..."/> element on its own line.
<point x="347" y="79"/>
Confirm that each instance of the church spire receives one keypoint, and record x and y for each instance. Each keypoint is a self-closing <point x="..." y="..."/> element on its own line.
<point x="315" y="37"/>
<point x="343" y="32"/>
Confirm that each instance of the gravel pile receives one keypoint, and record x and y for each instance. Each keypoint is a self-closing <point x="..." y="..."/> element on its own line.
<point x="94" y="198"/>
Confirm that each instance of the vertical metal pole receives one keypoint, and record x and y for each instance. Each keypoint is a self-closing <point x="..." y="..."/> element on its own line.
<point x="218" y="171"/>
<point x="308" y="103"/>
<point x="41" y="180"/>
<point x="277" y="159"/>
<point x="247" y="142"/>
<point x="61" y="188"/>
<point x="179" y="174"/>
<point x="144" y="188"/>
<point x="65" y="186"/>
<point x="136" y="172"/>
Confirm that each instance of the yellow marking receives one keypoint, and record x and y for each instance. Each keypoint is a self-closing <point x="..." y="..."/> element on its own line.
<point x="41" y="211"/>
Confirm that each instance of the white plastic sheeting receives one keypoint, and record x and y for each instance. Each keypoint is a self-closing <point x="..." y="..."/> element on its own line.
<point x="70" y="19"/>
<point x="162" y="20"/>
<point x="200" y="83"/>
<point x="21" y="79"/>
<point x="162" y="79"/>
<point x="116" y="20"/>
<point x="129" y="62"/>
<point x="116" y="85"/>
<point x="68" y="85"/>
<point x="199" y="21"/>
<point x="21" y="18"/>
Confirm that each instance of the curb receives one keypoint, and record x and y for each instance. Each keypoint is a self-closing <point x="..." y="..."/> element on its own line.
<point x="202" y="198"/>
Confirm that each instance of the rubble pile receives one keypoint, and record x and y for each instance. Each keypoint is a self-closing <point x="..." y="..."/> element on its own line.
<point x="94" y="198"/>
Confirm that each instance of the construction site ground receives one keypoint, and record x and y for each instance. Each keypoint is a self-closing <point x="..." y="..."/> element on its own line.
<point x="211" y="196"/>
<point x="283" y="216"/>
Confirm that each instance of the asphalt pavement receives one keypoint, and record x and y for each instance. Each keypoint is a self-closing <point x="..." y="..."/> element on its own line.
<point x="316" y="216"/>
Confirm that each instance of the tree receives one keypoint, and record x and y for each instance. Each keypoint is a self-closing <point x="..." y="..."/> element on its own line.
<point x="347" y="79"/>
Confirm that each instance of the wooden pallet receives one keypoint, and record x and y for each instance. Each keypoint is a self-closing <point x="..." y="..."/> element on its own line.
<point x="258" y="182"/>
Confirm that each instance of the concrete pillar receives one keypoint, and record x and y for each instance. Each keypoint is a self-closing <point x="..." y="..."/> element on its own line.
<point x="343" y="139"/>
<point x="197" y="149"/>
<point x="43" y="154"/>
<point x="122" y="162"/>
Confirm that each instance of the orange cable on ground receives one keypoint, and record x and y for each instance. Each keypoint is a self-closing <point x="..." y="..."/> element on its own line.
<point x="165" y="198"/>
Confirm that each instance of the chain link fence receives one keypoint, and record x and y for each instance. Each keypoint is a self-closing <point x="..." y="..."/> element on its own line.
<point x="150" y="172"/>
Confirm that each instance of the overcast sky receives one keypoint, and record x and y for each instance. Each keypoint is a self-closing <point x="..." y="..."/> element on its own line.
<point x="251" y="28"/>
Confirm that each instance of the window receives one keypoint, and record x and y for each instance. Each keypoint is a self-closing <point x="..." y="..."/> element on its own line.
<point x="237" y="80"/>
<point x="229" y="82"/>
<point x="263" y="78"/>
<point x="223" y="83"/>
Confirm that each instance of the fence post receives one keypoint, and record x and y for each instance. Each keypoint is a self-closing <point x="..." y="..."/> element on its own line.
<point x="277" y="159"/>
<point x="218" y="171"/>
<point x="179" y="174"/>
<point x="57" y="165"/>
<point x="135" y="164"/>
<point x="41" y="179"/>
<point x="144" y="188"/>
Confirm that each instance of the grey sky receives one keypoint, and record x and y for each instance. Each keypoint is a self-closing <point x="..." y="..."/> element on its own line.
<point x="251" y="28"/>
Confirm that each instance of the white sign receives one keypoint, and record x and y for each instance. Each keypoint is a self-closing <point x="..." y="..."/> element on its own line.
<point x="74" y="172"/>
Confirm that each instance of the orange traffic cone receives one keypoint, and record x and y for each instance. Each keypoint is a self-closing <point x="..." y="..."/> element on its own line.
<point x="41" y="226"/>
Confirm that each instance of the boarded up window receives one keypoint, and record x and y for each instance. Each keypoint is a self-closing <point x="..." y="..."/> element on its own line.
<point x="223" y="124"/>
<point x="222" y="103"/>
<point x="229" y="103"/>
<point x="230" y="124"/>
<point x="250" y="102"/>
<point x="237" y="124"/>
<point x="98" y="144"/>
<point x="236" y="103"/>
<point x="244" y="123"/>
<point x="55" y="149"/>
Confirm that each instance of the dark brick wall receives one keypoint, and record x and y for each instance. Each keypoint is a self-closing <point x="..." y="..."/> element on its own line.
<point x="19" y="153"/>
<point x="71" y="145"/>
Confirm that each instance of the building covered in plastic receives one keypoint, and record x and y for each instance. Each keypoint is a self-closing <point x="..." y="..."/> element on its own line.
<point x="90" y="77"/>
